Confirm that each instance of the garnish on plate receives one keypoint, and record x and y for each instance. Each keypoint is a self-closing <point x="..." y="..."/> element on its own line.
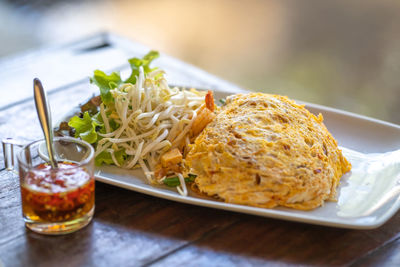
<point x="135" y="121"/>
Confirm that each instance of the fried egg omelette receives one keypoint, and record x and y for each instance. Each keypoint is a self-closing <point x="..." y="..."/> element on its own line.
<point x="265" y="150"/>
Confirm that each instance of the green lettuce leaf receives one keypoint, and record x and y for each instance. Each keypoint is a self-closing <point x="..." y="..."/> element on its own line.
<point x="106" y="83"/>
<point x="105" y="157"/>
<point x="144" y="62"/>
<point x="85" y="127"/>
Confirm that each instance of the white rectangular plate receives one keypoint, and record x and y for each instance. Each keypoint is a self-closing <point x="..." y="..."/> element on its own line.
<point x="368" y="195"/>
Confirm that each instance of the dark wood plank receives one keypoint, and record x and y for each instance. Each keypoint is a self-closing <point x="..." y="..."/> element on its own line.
<point x="256" y="241"/>
<point x="388" y="255"/>
<point x="10" y="207"/>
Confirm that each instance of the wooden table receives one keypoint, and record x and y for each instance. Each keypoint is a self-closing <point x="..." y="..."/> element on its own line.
<point x="132" y="229"/>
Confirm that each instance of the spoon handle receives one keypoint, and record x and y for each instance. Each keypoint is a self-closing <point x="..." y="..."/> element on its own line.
<point x="42" y="108"/>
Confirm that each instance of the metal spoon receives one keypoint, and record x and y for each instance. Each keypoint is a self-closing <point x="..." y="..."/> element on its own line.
<point x="44" y="114"/>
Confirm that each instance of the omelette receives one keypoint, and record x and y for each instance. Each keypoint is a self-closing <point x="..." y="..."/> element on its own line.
<point x="266" y="151"/>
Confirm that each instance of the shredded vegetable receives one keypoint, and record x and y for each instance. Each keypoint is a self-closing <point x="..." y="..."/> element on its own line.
<point x="175" y="181"/>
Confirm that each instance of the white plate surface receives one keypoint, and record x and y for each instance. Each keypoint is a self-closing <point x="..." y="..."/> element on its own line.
<point x="368" y="195"/>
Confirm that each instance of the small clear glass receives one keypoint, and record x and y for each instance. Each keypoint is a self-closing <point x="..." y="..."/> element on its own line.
<point x="55" y="201"/>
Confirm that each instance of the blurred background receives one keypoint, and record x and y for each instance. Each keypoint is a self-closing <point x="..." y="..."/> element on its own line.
<point x="344" y="54"/>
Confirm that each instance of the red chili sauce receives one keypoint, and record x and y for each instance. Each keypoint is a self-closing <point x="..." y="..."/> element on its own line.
<point x="55" y="195"/>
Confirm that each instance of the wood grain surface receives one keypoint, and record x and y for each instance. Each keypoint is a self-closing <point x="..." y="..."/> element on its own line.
<point x="132" y="229"/>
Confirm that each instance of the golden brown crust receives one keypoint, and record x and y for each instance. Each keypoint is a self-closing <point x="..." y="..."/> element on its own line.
<point x="267" y="151"/>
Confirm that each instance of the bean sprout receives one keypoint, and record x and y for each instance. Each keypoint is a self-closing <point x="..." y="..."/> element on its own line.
<point x="152" y="118"/>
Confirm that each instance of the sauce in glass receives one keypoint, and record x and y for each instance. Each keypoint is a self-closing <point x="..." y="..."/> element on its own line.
<point x="62" y="194"/>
